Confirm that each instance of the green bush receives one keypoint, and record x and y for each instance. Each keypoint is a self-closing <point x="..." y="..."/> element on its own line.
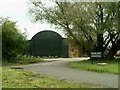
<point x="13" y="41"/>
<point x="24" y="59"/>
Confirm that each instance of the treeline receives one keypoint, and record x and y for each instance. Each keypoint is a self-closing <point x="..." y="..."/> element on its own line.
<point x="83" y="23"/>
<point x="14" y="42"/>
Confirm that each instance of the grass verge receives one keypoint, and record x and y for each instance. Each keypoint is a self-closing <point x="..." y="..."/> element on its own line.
<point x="22" y="60"/>
<point x="111" y="67"/>
<point x="17" y="78"/>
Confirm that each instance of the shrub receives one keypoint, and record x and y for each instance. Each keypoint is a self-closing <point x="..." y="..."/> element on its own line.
<point x="24" y="59"/>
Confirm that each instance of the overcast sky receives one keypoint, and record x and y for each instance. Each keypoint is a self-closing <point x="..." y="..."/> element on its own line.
<point x="17" y="10"/>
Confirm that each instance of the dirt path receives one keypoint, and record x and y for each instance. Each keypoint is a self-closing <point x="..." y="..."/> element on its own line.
<point x="59" y="69"/>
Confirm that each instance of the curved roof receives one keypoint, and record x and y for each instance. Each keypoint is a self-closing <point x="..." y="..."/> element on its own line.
<point x="46" y="43"/>
<point x="46" y="32"/>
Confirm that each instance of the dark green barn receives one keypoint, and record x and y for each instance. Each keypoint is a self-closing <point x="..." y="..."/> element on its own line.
<point x="48" y="43"/>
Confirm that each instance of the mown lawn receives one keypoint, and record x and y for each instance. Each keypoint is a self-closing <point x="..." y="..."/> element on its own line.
<point x="17" y="78"/>
<point x="111" y="67"/>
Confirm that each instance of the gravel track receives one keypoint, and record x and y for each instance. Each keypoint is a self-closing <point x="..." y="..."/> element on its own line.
<point x="59" y="69"/>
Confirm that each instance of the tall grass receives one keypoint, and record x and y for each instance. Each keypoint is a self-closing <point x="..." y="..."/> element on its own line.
<point x="14" y="78"/>
<point x="22" y="59"/>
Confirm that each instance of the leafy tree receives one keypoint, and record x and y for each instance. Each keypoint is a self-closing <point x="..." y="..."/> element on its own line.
<point x="13" y="41"/>
<point x="83" y="22"/>
<point x="107" y="23"/>
<point x="68" y="17"/>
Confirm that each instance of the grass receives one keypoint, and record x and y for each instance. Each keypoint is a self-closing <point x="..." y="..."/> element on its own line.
<point x="17" y="78"/>
<point x="22" y="60"/>
<point x="111" y="67"/>
<point x="0" y="78"/>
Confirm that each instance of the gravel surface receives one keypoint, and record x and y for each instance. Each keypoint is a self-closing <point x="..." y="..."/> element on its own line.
<point x="59" y="69"/>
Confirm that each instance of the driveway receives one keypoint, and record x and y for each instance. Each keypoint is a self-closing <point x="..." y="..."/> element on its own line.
<point x="59" y="69"/>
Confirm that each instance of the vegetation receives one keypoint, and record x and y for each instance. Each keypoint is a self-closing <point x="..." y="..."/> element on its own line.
<point x="24" y="59"/>
<point x="83" y="23"/>
<point x="111" y="67"/>
<point x="0" y="77"/>
<point x="13" y="41"/>
<point x="12" y="78"/>
<point x="14" y="45"/>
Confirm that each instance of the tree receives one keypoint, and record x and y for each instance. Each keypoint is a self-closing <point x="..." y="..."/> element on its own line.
<point x="70" y="17"/>
<point x="107" y="23"/>
<point x="82" y="22"/>
<point x="13" y="41"/>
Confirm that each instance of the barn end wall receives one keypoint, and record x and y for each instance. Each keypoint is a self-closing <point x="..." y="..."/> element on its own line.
<point x="48" y="44"/>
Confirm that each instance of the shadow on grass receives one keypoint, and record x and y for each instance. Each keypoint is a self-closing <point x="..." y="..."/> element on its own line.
<point x="110" y="67"/>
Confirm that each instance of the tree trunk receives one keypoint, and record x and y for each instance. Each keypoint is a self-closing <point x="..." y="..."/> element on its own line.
<point x="112" y="52"/>
<point x="111" y="55"/>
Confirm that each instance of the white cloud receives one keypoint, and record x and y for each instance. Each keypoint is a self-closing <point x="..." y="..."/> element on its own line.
<point x="17" y="10"/>
<point x="33" y="28"/>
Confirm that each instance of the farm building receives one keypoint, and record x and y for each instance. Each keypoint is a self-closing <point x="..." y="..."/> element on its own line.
<point x="50" y="44"/>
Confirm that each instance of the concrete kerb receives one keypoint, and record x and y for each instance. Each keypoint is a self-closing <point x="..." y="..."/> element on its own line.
<point x="67" y="59"/>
